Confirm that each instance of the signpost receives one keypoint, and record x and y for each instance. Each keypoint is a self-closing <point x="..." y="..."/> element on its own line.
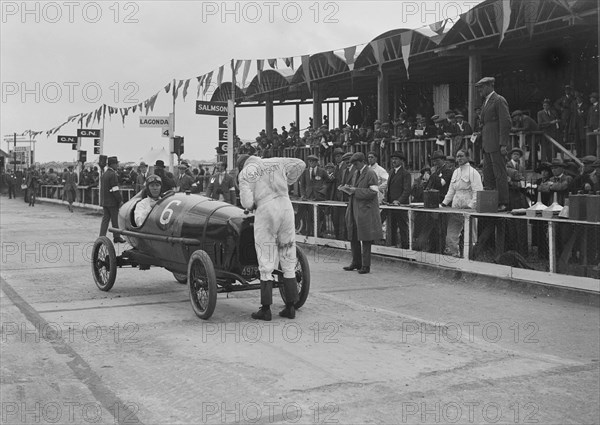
<point x="166" y="125"/>
<point x="67" y="139"/>
<point x="88" y="132"/>
<point x="211" y="108"/>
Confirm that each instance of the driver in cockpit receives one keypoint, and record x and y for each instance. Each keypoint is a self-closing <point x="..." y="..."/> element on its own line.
<point x="151" y="197"/>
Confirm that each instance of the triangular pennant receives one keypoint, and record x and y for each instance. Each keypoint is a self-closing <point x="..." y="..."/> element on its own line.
<point x="176" y="91"/>
<point x="378" y="46"/>
<point x="246" y="70"/>
<point x="531" y="8"/>
<point x="503" y="19"/>
<point x="259" y="67"/>
<point x="207" y="82"/>
<point x="220" y="75"/>
<point x="272" y="63"/>
<point x="349" y="54"/>
<point x="306" y="69"/>
<point x="289" y="62"/>
<point x="153" y="101"/>
<point x="238" y="64"/>
<point x="200" y="82"/>
<point x="134" y="108"/>
<point x="331" y="60"/>
<point x="438" y="27"/>
<point x="405" y="39"/>
<point x="167" y="88"/>
<point x="185" y="88"/>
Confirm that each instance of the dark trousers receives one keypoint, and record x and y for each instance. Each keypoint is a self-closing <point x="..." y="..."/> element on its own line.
<point x="361" y="250"/>
<point x="494" y="175"/>
<point x="339" y="223"/>
<point x="111" y="214"/>
<point x="399" y="222"/>
<point x="11" y="191"/>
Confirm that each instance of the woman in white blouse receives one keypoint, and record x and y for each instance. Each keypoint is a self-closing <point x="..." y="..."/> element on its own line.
<point x="462" y="194"/>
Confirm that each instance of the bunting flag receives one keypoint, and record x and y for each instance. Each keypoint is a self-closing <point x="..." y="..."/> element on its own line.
<point x="123" y="114"/>
<point x="272" y="63"/>
<point x="153" y="101"/>
<point x="207" y="82"/>
<point x="350" y="55"/>
<point x="439" y="27"/>
<point x="259" y="67"/>
<point x="289" y="62"/>
<point x="503" y="19"/>
<point x="306" y="69"/>
<point x="246" y="70"/>
<point x="378" y="46"/>
<point x="167" y="88"/>
<point x="331" y="59"/>
<point x="176" y="89"/>
<point x="139" y="107"/>
<point x="220" y="75"/>
<point x="185" y="88"/>
<point x="405" y="40"/>
<point x="238" y="64"/>
<point x="200" y="83"/>
<point x="134" y="108"/>
<point x="531" y="8"/>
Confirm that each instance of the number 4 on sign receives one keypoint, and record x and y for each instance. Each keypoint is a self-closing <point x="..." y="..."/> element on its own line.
<point x="166" y="132"/>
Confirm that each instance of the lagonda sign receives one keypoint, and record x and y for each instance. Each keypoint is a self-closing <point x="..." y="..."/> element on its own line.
<point x="155" y="122"/>
<point x="211" y="108"/>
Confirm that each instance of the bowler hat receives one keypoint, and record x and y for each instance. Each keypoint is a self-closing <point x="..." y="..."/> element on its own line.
<point x="346" y="156"/>
<point x="312" y="157"/>
<point x="143" y="164"/>
<point x="438" y="155"/>
<point x="112" y="160"/>
<point x="485" y="80"/>
<point x="557" y="162"/>
<point x="519" y="151"/>
<point x="159" y="163"/>
<point x="398" y="154"/>
<point x="358" y="156"/>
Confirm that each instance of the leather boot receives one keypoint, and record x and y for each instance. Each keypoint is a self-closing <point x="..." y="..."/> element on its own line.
<point x="266" y="299"/>
<point x="290" y="289"/>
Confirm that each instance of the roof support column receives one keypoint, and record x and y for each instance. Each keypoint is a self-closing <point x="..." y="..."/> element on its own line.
<point x="298" y="118"/>
<point x="340" y="113"/>
<point x="383" y="102"/>
<point x="474" y="76"/>
<point x="269" y="117"/>
<point x="317" y="107"/>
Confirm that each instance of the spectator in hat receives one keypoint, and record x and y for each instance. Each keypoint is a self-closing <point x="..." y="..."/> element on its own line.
<point x="583" y="182"/>
<point x="362" y="215"/>
<point x="140" y="181"/>
<point x="593" y="116"/>
<point x="419" y="185"/>
<point x="522" y="122"/>
<point x="221" y="186"/>
<point x="398" y="193"/>
<point x="548" y="120"/>
<point x="564" y="106"/>
<point x="559" y="183"/>
<point x="184" y="179"/>
<point x="496" y="122"/>
<point x="111" y="199"/>
<point x="595" y="176"/>
<point x="516" y="154"/>
<point x="70" y="186"/>
<point x="441" y="173"/>
<point x="578" y="120"/>
<point x="462" y="194"/>
<point x="167" y="182"/>
<point x="464" y="127"/>
<point x="313" y="187"/>
<point x="382" y="174"/>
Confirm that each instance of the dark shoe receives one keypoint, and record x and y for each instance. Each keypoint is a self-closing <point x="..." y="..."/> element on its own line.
<point x="289" y="311"/>
<point x="365" y="270"/>
<point x="502" y="208"/>
<point x="119" y="240"/>
<point x="352" y="267"/>
<point x="262" y="314"/>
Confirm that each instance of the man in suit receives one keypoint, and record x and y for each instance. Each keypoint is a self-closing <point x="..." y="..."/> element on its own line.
<point x="221" y="186"/>
<point x="140" y="181"/>
<point x="398" y="193"/>
<point x="564" y="105"/>
<point x="313" y="187"/>
<point x="495" y="118"/>
<point x="184" y="180"/>
<point x="111" y="199"/>
<point x="167" y="182"/>
<point x="362" y="215"/>
<point x="593" y="118"/>
<point x="523" y="122"/>
<point x="560" y="182"/>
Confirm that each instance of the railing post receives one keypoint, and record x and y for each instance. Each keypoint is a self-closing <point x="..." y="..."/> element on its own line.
<point x="467" y="236"/>
<point x="315" y="219"/>
<point x="551" y="247"/>
<point x="410" y="228"/>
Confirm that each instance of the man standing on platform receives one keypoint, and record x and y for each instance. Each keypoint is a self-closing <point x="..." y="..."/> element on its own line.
<point x="398" y="193"/>
<point x="495" y="118"/>
<point x="111" y="199"/>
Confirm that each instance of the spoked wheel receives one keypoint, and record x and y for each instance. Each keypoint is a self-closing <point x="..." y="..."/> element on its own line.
<point x="180" y="277"/>
<point x="203" y="284"/>
<point x="104" y="263"/>
<point x="302" y="278"/>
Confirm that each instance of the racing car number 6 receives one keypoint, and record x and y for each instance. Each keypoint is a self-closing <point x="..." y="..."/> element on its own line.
<point x="165" y="217"/>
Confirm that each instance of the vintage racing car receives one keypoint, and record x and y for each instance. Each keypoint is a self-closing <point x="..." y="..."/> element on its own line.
<point x="206" y="243"/>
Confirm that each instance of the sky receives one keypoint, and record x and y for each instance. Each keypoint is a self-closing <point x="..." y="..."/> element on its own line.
<point x="59" y="59"/>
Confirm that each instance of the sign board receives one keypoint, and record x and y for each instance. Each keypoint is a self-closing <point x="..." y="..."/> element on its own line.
<point x="155" y="122"/>
<point x="211" y="108"/>
<point x="223" y="122"/>
<point x="67" y="139"/>
<point x="223" y="147"/>
<point x="223" y="134"/>
<point x="165" y="132"/>
<point x="88" y="132"/>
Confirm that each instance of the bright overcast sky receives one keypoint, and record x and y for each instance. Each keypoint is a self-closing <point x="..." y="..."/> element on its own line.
<point x="125" y="52"/>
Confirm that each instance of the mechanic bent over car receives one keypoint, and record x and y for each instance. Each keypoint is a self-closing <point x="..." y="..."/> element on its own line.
<point x="263" y="187"/>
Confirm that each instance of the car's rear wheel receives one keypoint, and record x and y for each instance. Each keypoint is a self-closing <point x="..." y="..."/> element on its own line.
<point x="104" y="263"/>
<point x="302" y="278"/>
<point x="180" y="277"/>
<point x="203" y="284"/>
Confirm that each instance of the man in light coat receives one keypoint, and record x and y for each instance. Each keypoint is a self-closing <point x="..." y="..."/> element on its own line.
<point x="263" y="187"/>
<point x="495" y="118"/>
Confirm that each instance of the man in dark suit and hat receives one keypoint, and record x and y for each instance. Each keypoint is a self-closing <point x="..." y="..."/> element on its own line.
<point x="111" y="199"/>
<point x="495" y="118"/>
<point x="523" y="122"/>
<point x="398" y="193"/>
<point x="362" y="215"/>
<point x="167" y="182"/>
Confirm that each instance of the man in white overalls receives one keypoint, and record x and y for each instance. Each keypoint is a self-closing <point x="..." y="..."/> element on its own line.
<point x="263" y="187"/>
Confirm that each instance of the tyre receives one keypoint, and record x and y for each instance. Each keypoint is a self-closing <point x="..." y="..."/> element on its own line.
<point x="180" y="277"/>
<point x="203" y="284"/>
<point x="302" y="277"/>
<point x="104" y="263"/>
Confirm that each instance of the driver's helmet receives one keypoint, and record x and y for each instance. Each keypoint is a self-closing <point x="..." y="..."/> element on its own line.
<point x="153" y="179"/>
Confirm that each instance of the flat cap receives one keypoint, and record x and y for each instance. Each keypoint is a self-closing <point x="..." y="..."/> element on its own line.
<point x="398" y="154"/>
<point x="516" y="113"/>
<point x="435" y="118"/>
<point x="183" y="164"/>
<point x="112" y="160"/>
<point x="438" y="155"/>
<point x="589" y="159"/>
<point x="330" y="165"/>
<point x="450" y="112"/>
<point x="338" y="151"/>
<point x="346" y="156"/>
<point x="485" y="80"/>
<point x="358" y="156"/>
<point x="312" y="157"/>
<point x="543" y="166"/>
<point x="519" y="151"/>
<point x="557" y="162"/>
<point x="460" y="116"/>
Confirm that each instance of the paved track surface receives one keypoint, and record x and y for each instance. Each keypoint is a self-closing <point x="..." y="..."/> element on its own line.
<point x="401" y="345"/>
